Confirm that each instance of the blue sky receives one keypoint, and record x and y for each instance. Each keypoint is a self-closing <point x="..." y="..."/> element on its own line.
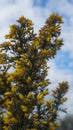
<point x="64" y="61"/>
<point x="61" y="68"/>
<point x="41" y="3"/>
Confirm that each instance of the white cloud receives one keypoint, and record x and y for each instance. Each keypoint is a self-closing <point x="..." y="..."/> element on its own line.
<point x="56" y="75"/>
<point x="10" y="12"/>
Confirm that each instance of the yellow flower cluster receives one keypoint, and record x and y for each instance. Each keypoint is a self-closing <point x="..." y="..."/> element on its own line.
<point x="49" y="103"/>
<point x="44" y="122"/>
<point x="40" y="98"/>
<point x="21" y="96"/>
<point x="8" y="103"/>
<point x="45" y="92"/>
<point x="36" y="43"/>
<point x="29" y="64"/>
<point x="29" y="79"/>
<point x="24" y="108"/>
<point x="57" y="124"/>
<point x="10" y="78"/>
<point x="5" y="128"/>
<point x="51" y="126"/>
<point x="44" y="52"/>
<point x="9" y="120"/>
<point x="13" y="89"/>
<point x="2" y="61"/>
<point x="63" y="100"/>
<point x="18" y="73"/>
<point x="26" y="115"/>
<point x="45" y="83"/>
<point x="29" y="95"/>
<point x="8" y="94"/>
<point x="36" y="122"/>
<point x="19" y="49"/>
<point x="35" y="115"/>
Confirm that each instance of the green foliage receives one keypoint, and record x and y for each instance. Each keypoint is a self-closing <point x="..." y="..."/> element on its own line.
<point x="23" y="76"/>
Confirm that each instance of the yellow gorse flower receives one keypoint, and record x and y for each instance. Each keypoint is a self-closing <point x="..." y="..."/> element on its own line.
<point x="9" y="120"/>
<point x="44" y="52"/>
<point x="17" y="73"/>
<point x="45" y="92"/>
<point x="49" y="103"/>
<point x="36" y="122"/>
<point x="19" y="49"/>
<point x="13" y="89"/>
<point x="24" y="108"/>
<point x="13" y="120"/>
<point x="6" y="119"/>
<point x="10" y="78"/>
<point x="29" y="63"/>
<point x="40" y="96"/>
<point x="29" y="95"/>
<point x="57" y="124"/>
<point x="21" y="96"/>
<point x="8" y="94"/>
<point x="43" y="122"/>
<point x="8" y="103"/>
<point x="35" y="115"/>
<point x="26" y="115"/>
<point x="28" y="79"/>
<point x="51" y="124"/>
<point x="41" y="101"/>
<point x="5" y="128"/>
<point x="9" y="113"/>
<point x="36" y="43"/>
<point x="0" y="79"/>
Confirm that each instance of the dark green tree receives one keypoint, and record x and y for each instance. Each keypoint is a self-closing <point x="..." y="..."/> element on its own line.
<point x="66" y="123"/>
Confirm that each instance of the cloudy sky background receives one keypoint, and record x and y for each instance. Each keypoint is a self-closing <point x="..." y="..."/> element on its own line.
<point x="38" y="10"/>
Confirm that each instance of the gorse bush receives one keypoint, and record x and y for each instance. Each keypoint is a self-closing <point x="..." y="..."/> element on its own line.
<point x="23" y="76"/>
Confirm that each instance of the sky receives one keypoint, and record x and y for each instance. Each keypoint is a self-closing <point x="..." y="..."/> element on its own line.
<point x="61" y="68"/>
